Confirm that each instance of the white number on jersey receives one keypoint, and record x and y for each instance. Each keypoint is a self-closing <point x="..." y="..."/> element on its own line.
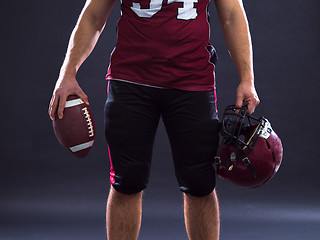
<point x="155" y="6"/>
<point x="186" y="12"/>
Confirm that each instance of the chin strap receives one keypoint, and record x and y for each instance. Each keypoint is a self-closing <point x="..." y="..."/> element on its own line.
<point x="244" y="158"/>
<point x="229" y="165"/>
<point x="217" y="158"/>
<point x="247" y="162"/>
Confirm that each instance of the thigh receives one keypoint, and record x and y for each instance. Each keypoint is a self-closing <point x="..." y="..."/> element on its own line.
<point x="192" y="124"/>
<point x="131" y="120"/>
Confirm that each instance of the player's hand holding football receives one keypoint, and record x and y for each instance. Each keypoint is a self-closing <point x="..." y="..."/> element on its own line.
<point x="246" y="92"/>
<point x="65" y="87"/>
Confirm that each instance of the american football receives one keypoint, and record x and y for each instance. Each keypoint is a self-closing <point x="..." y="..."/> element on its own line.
<point x="76" y="130"/>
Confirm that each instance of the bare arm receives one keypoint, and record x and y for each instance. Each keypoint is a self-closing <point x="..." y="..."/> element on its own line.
<point x="238" y="39"/>
<point x="82" y="41"/>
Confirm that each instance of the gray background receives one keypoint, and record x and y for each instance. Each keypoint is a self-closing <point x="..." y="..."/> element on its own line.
<point x="45" y="193"/>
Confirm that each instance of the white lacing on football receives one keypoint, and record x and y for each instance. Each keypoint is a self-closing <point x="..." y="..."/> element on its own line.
<point x="89" y="121"/>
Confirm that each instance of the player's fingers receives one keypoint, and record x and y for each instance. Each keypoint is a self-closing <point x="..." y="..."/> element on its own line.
<point x="83" y="97"/>
<point x="252" y="105"/>
<point x="251" y="108"/>
<point x="238" y="103"/>
<point x="61" y="105"/>
<point x="53" y="106"/>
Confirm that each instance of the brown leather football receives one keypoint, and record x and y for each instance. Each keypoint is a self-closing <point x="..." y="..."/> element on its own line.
<point x="76" y="130"/>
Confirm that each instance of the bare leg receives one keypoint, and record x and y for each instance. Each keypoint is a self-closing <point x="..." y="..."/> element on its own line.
<point x="123" y="215"/>
<point x="202" y="217"/>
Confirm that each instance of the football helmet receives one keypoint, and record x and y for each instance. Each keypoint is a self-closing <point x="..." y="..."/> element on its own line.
<point x="250" y="152"/>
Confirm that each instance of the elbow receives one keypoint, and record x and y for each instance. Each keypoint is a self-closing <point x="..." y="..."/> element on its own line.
<point x="95" y="21"/>
<point x="230" y="19"/>
<point x="232" y="16"/>
<point x="226" y="23"/>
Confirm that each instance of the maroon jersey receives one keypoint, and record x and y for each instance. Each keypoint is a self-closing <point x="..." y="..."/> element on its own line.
<point x="164" y="43"/>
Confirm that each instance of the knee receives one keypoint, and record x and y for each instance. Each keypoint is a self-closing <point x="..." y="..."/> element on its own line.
<point x="132" y="179"/>
<point x="199" y="189"/>
<point x="123" y="198"/>
<point x="196" y="184"/>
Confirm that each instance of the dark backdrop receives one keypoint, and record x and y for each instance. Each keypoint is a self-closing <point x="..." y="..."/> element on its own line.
<point x="45" y="193"/>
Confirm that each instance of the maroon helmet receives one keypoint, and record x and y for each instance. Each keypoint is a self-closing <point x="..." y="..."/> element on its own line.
<point x="250" y="152"/>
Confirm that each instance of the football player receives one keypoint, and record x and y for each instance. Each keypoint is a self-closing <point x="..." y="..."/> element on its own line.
<point x="163" y="66"/>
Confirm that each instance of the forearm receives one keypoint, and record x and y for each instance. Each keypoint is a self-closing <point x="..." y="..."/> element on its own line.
<point x="237" y="36"/>
<point x="85" y="35"/>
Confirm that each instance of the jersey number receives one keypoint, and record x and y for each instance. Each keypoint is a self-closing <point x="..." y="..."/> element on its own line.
<point x="186" y="12"/>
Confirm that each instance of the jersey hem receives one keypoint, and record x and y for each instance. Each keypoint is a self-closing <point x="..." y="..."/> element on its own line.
<point x="157" y="85"/>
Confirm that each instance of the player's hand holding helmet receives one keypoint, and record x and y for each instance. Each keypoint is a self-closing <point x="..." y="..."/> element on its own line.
<point x="250" y="152"/>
